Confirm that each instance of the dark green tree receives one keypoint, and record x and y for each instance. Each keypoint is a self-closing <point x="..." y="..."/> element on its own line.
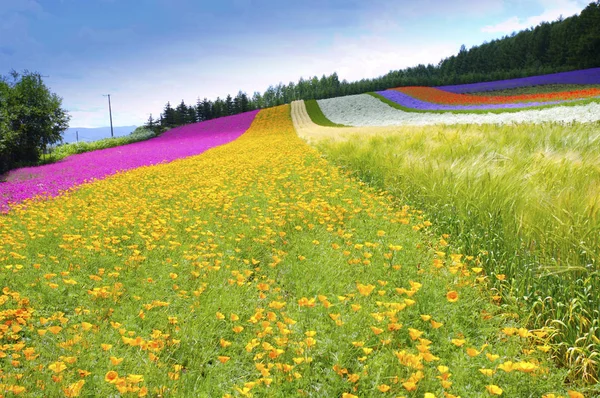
<point x="181" y="114"/>
<point x="31" y="119"/>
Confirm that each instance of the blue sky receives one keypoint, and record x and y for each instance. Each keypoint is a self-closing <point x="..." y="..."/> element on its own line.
<point x="147" y="52"/>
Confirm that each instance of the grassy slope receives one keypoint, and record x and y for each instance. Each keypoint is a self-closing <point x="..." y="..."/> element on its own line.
<point x="255" y="267"/>
<point x="527" y="195"/>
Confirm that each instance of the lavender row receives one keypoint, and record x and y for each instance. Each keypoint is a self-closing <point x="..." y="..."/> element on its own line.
<point x="585" y="76"/>
<point x="52" y="179"/>
<point x="414" y="103"/>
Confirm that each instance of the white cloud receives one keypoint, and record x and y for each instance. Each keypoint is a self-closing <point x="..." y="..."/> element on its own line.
<point x="553" y="9"/>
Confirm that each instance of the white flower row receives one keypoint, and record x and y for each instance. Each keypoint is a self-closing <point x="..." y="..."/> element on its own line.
<point x="366" y="110"/>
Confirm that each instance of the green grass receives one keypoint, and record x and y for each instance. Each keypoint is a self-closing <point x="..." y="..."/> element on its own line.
<point x="527" y="196"/>
<point x="477" y="111"/>
<point x="62" y="151"/>
<point x="546" y="88"/>
<point x="317" y="116"/>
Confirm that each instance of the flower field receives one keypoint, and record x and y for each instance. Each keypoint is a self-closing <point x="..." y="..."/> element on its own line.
<point x="253" y="269"/>
<point x="414" y="254"/>
<point x="368" y="110"/>
<point x="431" y="94"/>
<point x="524" y="193"/>
<point x="51" y="179"/>
<point x="453" y="99"/>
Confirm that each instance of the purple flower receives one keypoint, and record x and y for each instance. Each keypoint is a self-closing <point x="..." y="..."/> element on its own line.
<point x="585" y="76"/>
<point x="52" y="179"/>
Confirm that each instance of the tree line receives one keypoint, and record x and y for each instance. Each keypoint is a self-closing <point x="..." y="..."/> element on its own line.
<point x="566" y="44"/>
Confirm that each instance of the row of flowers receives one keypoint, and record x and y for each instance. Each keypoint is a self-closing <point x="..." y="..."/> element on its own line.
<point x="438" y="96"/>
<point x="585" y="76"/>
<point x="51" y="179"/>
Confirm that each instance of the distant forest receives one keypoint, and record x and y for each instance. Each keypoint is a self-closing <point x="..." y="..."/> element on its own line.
<point x="566" y="44"/>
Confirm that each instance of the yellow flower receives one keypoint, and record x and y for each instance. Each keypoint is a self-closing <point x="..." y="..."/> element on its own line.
<point x="383" y="388"/>
<point x="224" y="343"/>
<point x="57" y="367"/>
<point x="436" y="325"/>
<point x="223" y="359"/>
<point x="86" y="326"/>
<point x="414" y="333"/>
<point x="135" y="379"/>
<point x="506" y="366"/>
<point x="55" y="329"/>
<point x="493" y="389"/>
<point x="365" y="290"/>
<point x="376" y="330"/>
<point x="575" y="394"/>
<point x="116" y="361"/>
<point x="492" y="357"/>
<point x="74" y="389"/>
<point x="487" y="372"/>
<point x="409" y="385"/>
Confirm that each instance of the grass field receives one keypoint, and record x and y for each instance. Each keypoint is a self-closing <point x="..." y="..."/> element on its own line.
<point x="526" y="195"/>
<point x="256" y="268"/>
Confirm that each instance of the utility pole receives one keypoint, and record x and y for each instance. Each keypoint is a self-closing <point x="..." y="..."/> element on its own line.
<point x="112" y="135"/>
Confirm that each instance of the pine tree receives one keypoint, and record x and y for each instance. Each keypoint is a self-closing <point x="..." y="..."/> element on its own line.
<point x="168" y="117"/>
<point x="228" y="105"/>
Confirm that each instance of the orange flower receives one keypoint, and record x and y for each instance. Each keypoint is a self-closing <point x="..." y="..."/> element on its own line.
<point x="365" y="290"/>
<point x="452" y="296"/>
<point x="115" y="361"/>
<point x="111" y="376"/>
<point x="55" y="329"/>
<point x="383" y="388"/>
<point x="223" y="358"/>
<point x="73" y="390"/>
<point x="409" y="386"/>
